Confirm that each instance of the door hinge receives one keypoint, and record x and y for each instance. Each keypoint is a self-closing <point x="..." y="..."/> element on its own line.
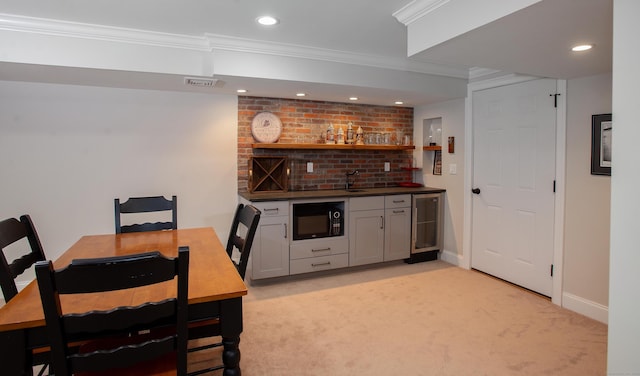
<point x="554" y="186"/>
<point x="551" y="270"/>
<point x="555" y="99"/>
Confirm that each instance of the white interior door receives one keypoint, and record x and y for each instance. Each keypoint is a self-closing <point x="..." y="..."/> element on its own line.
<point x="513" y="181"/>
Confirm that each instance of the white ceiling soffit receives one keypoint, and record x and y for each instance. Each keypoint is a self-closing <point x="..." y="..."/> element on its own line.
<point x="230" y="43"/>
<point x="431" y="22"/>
<point x="97" y="53"/>
<point x="536" y="41"/>
<point x="209" y="42"/>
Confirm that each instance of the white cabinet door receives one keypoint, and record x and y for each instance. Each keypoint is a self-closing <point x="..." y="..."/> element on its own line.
<point x="366" y="240"/>
<point x="397" y="233"/>
<point x="270" y="253"/>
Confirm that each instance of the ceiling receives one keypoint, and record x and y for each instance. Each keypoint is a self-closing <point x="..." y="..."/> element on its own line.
<point x="534" y="41"/>
<point x="537" y="41"/>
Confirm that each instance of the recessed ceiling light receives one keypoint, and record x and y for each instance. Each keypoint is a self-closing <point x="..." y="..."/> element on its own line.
<point x="267" y="20"/>
<point x="399" y="102"/>
<point x="241" y="91"/>
<point x="353" y="98"/>
<point x="582" y="47"/>
<point x="300" y="94"/>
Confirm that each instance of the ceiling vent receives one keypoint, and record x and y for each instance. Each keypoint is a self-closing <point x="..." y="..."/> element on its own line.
<point x="200" y="82"/>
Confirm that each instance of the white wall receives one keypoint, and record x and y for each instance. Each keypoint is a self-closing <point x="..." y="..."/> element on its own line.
<point x="587" y="199"/>
<point x="624" y="283"/>
<point x="452" y="115"/>
<point x="67" y="151"/>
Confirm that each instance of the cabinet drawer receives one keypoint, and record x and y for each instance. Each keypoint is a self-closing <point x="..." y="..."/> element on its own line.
<point x="318" y="248"/>
<point x="366" y="203"/>
<point x="397" y="201"/>
<point x="272" y="208"/>
<point x="314" y="264"/>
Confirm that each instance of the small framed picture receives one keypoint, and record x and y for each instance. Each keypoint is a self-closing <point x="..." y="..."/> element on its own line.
<point x="601" y="144"/>
<point x="437" y="162"/>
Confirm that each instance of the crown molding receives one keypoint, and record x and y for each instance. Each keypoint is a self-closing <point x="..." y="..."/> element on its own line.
<point x="209" y="42"/>
<point x="228" y="43"/>
<point x="60" y="28"/>
<point x="476" y="73"/>
<point x="417" y="9"/>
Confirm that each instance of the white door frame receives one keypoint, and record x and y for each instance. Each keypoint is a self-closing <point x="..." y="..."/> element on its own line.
<point x="561" y="133"/>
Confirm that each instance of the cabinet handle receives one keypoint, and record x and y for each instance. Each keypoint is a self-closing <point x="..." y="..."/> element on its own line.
<point x="398" y="211"/>
<point x="398" y="201"/>
<point x="321" y="249"/>
<point x="271" y="209"/>
<point x="322" y="264"/>
<point x="285" y="229"/>
<point x="381" y="222"/>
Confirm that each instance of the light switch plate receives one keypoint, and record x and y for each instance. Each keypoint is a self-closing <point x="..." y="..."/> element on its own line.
<point x="453" y="169"/>
<point x="387" y="166"/>
<point x="309" y="166"/>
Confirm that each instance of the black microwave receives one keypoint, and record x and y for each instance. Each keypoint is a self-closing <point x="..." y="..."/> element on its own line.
<point x="313" y="220"/>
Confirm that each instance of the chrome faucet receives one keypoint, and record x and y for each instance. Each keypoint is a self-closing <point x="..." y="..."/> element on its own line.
<point x="349" y="183"/>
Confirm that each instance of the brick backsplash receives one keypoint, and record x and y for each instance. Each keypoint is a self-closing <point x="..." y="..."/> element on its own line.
<point x="306" y="121"/>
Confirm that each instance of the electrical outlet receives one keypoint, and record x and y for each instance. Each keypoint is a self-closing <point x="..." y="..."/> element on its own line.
<point x="387" y="166"/>
<point x="309" y="166"/>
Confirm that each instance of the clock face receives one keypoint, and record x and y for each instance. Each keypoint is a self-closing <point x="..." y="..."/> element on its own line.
<point x="266" y="127"/>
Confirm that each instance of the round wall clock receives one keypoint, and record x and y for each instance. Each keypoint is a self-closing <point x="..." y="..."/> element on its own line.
<point x="266" y="127"/>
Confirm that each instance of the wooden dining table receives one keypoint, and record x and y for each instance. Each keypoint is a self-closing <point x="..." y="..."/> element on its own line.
<point x="215" y="290"/>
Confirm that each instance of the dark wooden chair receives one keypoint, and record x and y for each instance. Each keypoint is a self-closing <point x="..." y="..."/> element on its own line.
<point x="146" y="205"/>
<point x="106" y="350"/>
<point x="243" y="230"/>
<point x="12" y="231"/>
<point x="241" y="237"/>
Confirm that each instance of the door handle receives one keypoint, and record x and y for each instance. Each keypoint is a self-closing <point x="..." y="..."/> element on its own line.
<point x="475" y="191"/>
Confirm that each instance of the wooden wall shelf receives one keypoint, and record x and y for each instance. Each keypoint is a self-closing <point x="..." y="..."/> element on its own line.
<point x="331" y="147"/>
<point x="432" y="148"/>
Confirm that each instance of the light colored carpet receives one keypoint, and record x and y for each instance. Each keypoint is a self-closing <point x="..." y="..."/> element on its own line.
<point x="422" y="319"/>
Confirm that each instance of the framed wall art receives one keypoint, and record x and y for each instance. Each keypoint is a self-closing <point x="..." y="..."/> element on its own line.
<point x="437" y="162"/>
<point x="601" y="144"/>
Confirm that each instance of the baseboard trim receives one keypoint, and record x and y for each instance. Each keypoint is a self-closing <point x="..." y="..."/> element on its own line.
<point x="451" y="258"/>
<point x="586" y="307"/>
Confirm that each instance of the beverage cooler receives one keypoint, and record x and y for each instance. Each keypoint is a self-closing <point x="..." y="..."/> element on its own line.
<point x="427" y="227"/>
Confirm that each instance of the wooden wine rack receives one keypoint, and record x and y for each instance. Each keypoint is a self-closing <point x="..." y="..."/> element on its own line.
<point x="268" y="174"/>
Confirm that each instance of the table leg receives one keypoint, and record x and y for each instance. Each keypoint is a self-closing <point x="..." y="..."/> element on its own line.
<point x="13" y="348"/>
<point x="230" y="328"/>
